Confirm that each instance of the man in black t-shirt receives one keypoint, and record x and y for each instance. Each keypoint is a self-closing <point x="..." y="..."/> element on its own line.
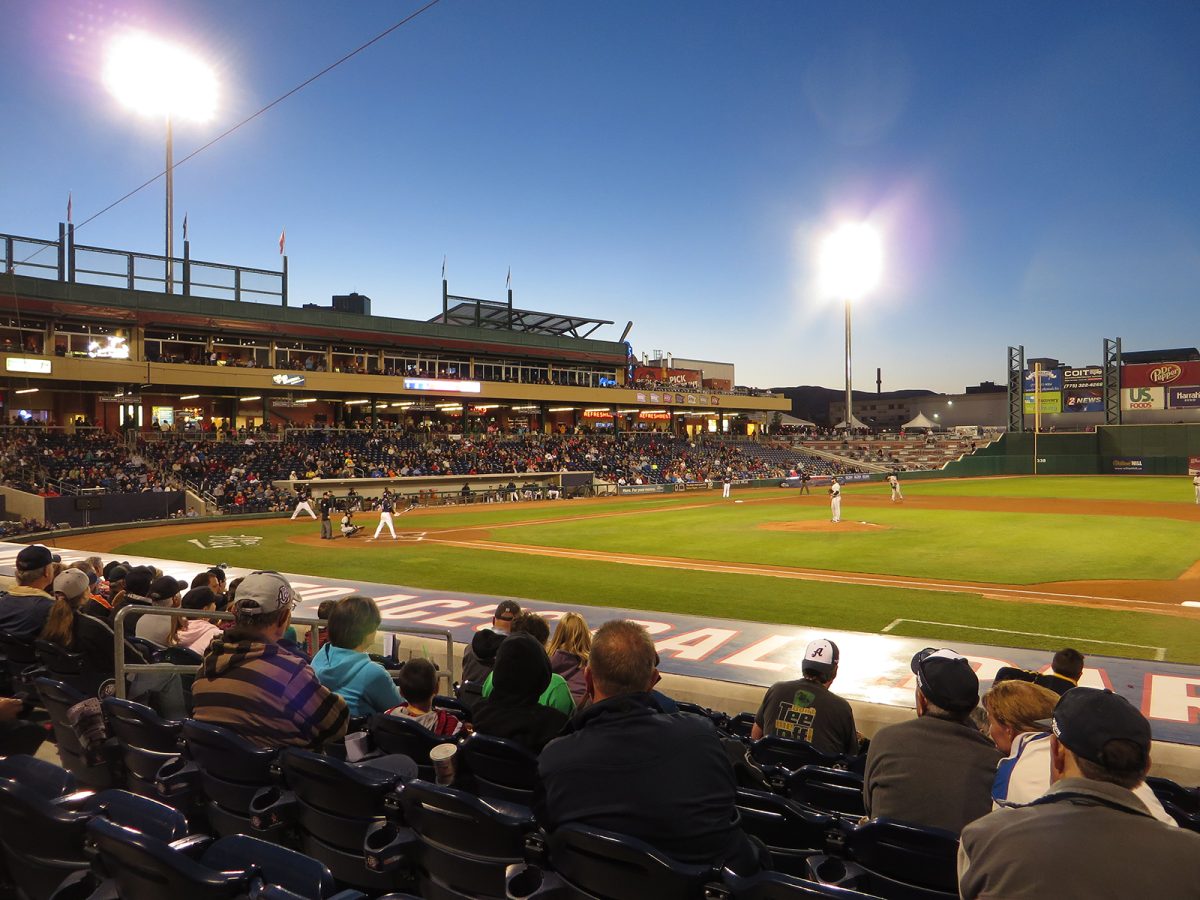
<point x="806" y="710"/>
<point x="326" y="522"/>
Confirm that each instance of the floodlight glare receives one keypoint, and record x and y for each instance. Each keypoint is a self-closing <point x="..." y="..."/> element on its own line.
<point x="851" y="261"/>
<point x="155" y="78"/>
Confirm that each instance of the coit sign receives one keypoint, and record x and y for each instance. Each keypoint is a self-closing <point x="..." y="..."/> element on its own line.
<point x="1165" y="374"/>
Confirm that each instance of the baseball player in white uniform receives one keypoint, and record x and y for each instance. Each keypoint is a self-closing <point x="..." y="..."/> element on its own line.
<point x="894" y="484"/>
<point x="726" y="484"/>
<point x="1196" y="485"/>
<point x="386" y="505"/>
<point x="835" y="501"/>
<point x="303" y="503"/>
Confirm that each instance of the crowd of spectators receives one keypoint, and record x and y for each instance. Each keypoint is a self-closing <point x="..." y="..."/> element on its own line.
<point x="239" y="472"/>
<point x="1030" y="799"/>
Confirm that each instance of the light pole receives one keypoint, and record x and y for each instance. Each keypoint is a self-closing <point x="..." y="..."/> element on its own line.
<point x="155" y="78"/>
<point x="851" y="265"/>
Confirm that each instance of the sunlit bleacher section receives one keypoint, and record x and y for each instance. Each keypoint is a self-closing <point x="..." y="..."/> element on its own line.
<point x="909" y="453"/>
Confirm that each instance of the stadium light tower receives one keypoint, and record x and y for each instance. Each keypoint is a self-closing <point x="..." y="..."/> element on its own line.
<point x="159" y="79"/>
<point x="851" y="265"/>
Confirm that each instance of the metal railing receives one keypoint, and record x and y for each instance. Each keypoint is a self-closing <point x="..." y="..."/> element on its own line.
<point x="122" y="668"/>
<point x="65" y="260"/>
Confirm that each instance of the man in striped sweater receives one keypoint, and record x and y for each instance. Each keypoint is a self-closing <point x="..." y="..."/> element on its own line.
<point x="253" y="686"/>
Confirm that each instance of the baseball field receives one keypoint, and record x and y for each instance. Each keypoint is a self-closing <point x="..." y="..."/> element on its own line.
<point x="1108" y="564"/>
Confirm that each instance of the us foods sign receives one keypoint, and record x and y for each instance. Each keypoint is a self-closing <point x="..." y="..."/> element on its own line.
<point x="1160" y="374"/>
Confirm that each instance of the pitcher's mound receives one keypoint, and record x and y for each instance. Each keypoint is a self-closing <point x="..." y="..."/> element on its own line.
<point x="840" y="527"/>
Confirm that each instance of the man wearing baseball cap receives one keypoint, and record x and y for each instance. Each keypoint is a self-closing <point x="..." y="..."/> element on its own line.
<point x="937" y="769"/>
<point x="25" y="606"/>
<point x="1088" y="835"/>
<point x="806" y="709"/>
<point x="480" y="656"/>
<point x="253" y="686"/>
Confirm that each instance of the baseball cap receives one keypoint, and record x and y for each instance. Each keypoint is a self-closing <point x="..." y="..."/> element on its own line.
<point x="946" y="679"/>
<point x="116" y="573"/>
<point x="138" y="581"/>
<point x="507" y="609"/>
<point x="198" y="598"/>
<point x="35" y="556"/>
<point x="821" y="656"/>
<point x="164" y="587"/>
<point x="1086" y="719"/>
<point x="72" y="583"/>
<point x="218" y="573"/>
<point x="264" y="592"/>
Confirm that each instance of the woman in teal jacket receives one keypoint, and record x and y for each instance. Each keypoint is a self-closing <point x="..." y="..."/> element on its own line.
<point x="343" y="665"/>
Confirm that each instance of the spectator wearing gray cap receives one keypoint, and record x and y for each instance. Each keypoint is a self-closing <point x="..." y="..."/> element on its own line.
<point x="806" y="710"/>
<point x="78" y="633"/>
<point x="259" y="689"/>
<point x="25" y="606"/>
<point x="937" y="769"/>
<point x="1089" y="835"/>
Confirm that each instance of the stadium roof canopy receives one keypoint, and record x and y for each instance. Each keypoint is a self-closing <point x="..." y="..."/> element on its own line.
<point x="500" y="316"/>
<point x="1183" y="354"/>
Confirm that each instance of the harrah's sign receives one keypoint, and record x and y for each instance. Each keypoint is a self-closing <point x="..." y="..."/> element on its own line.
<point x="1160" y="374"/>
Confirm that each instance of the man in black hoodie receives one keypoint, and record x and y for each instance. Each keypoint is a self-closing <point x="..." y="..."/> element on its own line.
<point x="624" y="766"/>
<point x="480" y="657"/>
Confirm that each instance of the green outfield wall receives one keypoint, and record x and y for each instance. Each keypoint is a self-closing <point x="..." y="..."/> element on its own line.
<point x="1112" y="449"/>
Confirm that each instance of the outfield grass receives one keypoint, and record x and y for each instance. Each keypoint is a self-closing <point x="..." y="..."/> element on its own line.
<point x="744" y="597"/>
<point x="987" y="547"/>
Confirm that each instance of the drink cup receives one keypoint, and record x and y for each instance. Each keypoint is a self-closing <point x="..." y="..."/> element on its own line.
<point x="357" y="746"/>
<point x="442" y="757"/>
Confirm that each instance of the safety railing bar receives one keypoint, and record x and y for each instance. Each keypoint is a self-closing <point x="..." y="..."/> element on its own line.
<point x="120" y="667"/>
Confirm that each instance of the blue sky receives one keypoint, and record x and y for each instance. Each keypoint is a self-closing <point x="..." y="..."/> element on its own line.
<point x="1033" y="166"/>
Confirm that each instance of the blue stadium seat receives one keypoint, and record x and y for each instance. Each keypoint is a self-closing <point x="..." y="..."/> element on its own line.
<point x="42" y="837"/>
<point x="400" y="734"/>
<point x="893" y="860"/>
<point x="145" y="868"/>
<point x="226" y="769"/>
<point x="600" y="865"/>
<point x="790" y="754"/>
<point x="20" y="660"/>
<point x="828" y="790"/>
<point x="777" y="886"/>
<point x="148" y="742"/>
<point x="45" y="778"/>
<point x="333" y="805"/>
<point x="58" y="698"/>
<point x="70" y="668"/>
<point x="498" y="769"/>
<point x="739" y="726"/>
<point x="464" y="844"/>
<point x="790" y="832"/>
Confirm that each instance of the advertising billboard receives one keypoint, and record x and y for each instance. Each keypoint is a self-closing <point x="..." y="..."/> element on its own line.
<point x="1183" y="397"/>
<point x="1051" y="402"/>
<point x="1143" y="398"/>
<point x="1129" y="465"/>
<point x="1085" y="377"/>
<point x="1160" y="374"/>
<point x="1083" y="400"/>
<point x="1051" y="380"/>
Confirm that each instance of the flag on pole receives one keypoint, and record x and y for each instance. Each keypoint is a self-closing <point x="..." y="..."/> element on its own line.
<point x="68" y="207"/>
<point x="185" y="227"/>
<point x="282" y="241"/>
<point x="443" y="268"/>
<point x="508" y="283"/>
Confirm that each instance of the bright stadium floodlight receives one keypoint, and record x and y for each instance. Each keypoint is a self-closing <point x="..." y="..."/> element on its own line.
<point x="851" y="266"/>
<point x="159" y="79"/>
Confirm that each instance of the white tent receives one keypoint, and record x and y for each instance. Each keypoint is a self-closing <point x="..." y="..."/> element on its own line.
<point x="920" y="420"/>
<point x="785" y="419"/>
<point x="854" y="423"/>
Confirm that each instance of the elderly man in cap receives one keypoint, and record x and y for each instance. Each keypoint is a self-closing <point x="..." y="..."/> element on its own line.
<point x="250" y="684"/>
<point x="937" y="769"/>
<point x="25" y="606"/>
<point x="1089" y="835"/>
<point x="807" y="710"/>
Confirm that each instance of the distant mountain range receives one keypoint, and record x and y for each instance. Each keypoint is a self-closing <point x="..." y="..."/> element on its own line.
<point x="812" y="403"/>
